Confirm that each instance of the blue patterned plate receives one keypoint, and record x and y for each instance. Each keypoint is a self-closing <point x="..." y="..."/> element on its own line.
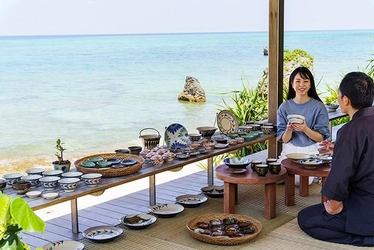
<point x="64" y="245"/>
<point x="102" y="233"/>
<point x="176" y="136"/>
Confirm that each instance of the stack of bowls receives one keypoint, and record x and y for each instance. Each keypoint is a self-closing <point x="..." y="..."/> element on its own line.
<point x="12" y="178"/>
<point x="295" y="118"/>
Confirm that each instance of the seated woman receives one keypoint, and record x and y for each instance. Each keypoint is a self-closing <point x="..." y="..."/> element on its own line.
<point x="302" y="99"/>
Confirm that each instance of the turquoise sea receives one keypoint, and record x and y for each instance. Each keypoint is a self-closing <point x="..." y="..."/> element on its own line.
<point x="96" y="93"/>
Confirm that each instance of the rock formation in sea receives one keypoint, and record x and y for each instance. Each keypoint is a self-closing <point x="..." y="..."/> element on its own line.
<point x="192" y="92"/>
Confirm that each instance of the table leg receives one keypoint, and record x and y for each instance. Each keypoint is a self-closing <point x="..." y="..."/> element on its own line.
<point x="210" y="171"/>
<point x="304" y="186"/>
<point x="270" y="201"/>
<point x="290" y="190"/>
<point x="229" y="197"/>
<point x="74" y="216"/>
<point x="152" y="190"/>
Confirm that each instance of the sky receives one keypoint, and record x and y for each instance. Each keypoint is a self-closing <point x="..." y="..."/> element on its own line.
<point x="75" y="17"/>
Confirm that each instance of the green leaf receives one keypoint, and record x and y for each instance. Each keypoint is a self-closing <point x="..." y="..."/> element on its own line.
<point x="4" y="209"/>
<point x="25" y="217"/>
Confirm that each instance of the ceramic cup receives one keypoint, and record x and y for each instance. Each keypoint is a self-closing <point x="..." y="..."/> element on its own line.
<point x="268" y="160"/>
<point x="262" y="169"/>
<point x="254" y="163"/>
<point x="274" y="167"/>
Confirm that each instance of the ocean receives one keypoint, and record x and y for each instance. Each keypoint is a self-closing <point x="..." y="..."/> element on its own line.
<point x="97" y="93"/>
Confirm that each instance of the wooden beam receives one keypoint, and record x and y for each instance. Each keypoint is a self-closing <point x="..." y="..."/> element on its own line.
<point x="276" y="47"/>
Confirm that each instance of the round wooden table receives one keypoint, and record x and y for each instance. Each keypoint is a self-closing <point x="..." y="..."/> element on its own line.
<point x="231" y="182"/>
<point x="294" y="168"/>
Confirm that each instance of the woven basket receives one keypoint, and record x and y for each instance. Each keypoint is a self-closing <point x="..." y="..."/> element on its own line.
<point x="223" y="240"/>
<point x="111" y="172"/>
<point x="150" y="141"/>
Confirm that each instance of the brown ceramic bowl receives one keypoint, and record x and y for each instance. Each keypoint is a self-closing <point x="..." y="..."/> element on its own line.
<point x="21" y="186"/>
<point x="2" y="184"/>
<point x="206" y="131"/>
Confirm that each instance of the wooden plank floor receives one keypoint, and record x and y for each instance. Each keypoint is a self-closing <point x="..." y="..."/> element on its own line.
<point x="109" y="212"/>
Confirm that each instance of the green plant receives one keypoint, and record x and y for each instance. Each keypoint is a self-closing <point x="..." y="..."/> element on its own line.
<point x="15" y="216"/>
<point x="370" y="68"/>
<point x="333" y="93"/>
<point x="60" y="153"/>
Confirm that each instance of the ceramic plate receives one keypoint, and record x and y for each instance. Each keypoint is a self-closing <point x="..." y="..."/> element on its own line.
<point x="102" y="233"/>
<point x="221" y="145"/>
<point x="176" y="136"/>
<point x="88" y="164"/>
<point x="166" y="210"/>
<point x="310" y="163"/>
<point x="298" y="156"/>
<point x="227" y="122"/>
<point x="64" y="245"/>
<point x="324" y="158"/>
<point x="138" y="221"/>
<point x="237" y="170"/>
<point x="213" y="191"/>
<point x="191" y="200"/>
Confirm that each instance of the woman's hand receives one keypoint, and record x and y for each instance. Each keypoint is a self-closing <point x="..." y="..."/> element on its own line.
<point x="299" y="127"/>
<point x="333" y="206"/>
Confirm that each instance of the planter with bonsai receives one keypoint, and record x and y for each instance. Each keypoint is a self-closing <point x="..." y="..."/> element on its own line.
<point x="61" y="164"/>
<point x="17" y="216"/>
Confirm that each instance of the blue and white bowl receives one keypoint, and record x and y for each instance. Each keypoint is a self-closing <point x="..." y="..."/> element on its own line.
<point x="237" y="163"/>
<point x="91" y="180"/>
<point x="35" y="171"/>
<point x="12" y="178"/>
<point x="49" y="182"/>
<point x="34" y="179"/>
<point x="74" y="174"/>
<point x="69" y="184"/>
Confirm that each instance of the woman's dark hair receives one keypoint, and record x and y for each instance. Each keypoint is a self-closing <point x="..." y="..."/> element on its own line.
<point x="305" y="74"/>
<point x="359" y="88"/>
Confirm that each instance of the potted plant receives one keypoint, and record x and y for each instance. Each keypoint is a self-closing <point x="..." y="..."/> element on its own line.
<point x="61" y="164"/>
<point x="17" y="216"/>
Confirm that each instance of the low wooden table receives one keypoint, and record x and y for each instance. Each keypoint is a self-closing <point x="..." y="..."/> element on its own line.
<point x="294" y="168"/>
<point x="231" y="182"/>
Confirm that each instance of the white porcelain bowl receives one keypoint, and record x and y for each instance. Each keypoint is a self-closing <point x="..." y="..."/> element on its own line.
<point x="69" y="184"/>
<point x="74" y="174"/>
<point x="12" y="178"/>
<point x="91" y="180"/>
<point x="57" y="173"/>
<point x="50" y="196"/>
<point x="49" y="182"/>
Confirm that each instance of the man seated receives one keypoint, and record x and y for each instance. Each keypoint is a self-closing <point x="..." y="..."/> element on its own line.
<point x="347" y="216"/>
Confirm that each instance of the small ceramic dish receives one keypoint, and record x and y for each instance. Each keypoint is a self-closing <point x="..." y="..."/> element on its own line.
<point x="182" y="156"/>
<point x="50" y="196"/>
<point x="166" y="210"/>
<point x="64" y="245"/>
<point x="122" y="151"/>
<point x="191" y="200"/>
<point x="95" y="159"/>
<point x="102" y="233"/>
<point x="33" y="194"/>
<point x="114" y="161"/>
<point x="2" y="184"/>
<point x="324" y="158"/>
<point x="88" y="164"/>
<point x="298" y="156"/>
<point x="310" y="163"/>
<point x="221" y="145"/>
<point x="237" y="170"/>
<point x="203" y="151"/>
<point x="57" y="173"/>
<point x="12" y="178"/>
<point x="36" y="171"/>
<point x="104" y="164"/>
<point x="213" y="191"/>
<point x="138" y="221"/>
<point x="194" y="153"/>
<point x="128" y="162"/>
<point x="237" y="163"/>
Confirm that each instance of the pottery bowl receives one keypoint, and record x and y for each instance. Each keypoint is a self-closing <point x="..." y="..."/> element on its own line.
<point x="254" y="163"/>
<point x="12" y="178"/>
<point x="249" y="137"/>
<point x="206" y="131"/>
<point x="2" y="184"/>
<point x="236" y="162"/>
<point x="331" y="107"/>
<point x="195" y="146"/>
<point x="194" y="137"/>
<point x="104" y="164"/>
<point x="135" y="150"/>
<point x="295" y="118"/>
<point x="267" y="129"/>
<point x="55" y="173"/>
<point x="262" y="169"/>
<point x="232" y="142"/>
<point x="21" y="186"/>
<point x="122" y="151"/>
<point x="256" y="127"/>
<point x="72" y="175"/>
<point x="91" y="180"/>
<point x="49" y="182"/>
<point x="69" y="184"/>
<point x="240" y="139"/>
<point x="36" y="171"/>
<point x="233" y="136"/>
<point x="275" y="167"/>
<point x="245" y="128"/>
<point x="221" y="139"/>
<point x="34" y="179"/>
